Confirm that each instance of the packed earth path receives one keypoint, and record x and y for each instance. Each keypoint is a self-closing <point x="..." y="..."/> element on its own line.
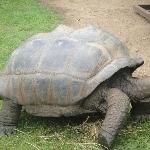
<point x="117" y="17"/>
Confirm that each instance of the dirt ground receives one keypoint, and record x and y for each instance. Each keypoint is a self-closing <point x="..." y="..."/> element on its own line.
<point x="117" y="17"/>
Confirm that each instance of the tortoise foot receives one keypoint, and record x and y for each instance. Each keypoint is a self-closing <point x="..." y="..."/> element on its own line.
<point x="105" y="139"/>
<point x="7" y="130"/>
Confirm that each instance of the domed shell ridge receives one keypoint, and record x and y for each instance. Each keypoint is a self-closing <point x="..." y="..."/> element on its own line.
<point x="90" y="55"/>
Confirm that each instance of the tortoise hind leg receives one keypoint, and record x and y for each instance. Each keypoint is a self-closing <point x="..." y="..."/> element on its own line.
<point x="9" y="117"/>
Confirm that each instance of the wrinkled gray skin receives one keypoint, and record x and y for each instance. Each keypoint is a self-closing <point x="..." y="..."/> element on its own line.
<point x="72" y="72"/>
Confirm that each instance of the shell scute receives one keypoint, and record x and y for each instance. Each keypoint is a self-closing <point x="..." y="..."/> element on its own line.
<point x="64" y="66"/>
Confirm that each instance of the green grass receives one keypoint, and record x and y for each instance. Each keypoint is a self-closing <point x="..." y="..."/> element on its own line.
<point x="19" y="19"/>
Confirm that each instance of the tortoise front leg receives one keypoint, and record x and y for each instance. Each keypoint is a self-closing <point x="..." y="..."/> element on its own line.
<point x="9" y="117"/>
<point x="118" y="108"/>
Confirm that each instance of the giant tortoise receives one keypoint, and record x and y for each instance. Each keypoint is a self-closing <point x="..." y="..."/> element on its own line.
<point x="70" y="72"/>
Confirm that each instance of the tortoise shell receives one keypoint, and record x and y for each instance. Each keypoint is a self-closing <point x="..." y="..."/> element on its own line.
<point x="64" y="66"/>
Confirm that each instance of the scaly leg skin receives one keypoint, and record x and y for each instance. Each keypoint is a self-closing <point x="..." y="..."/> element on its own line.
<point x="117" y="112"/>
<point x="9" y="117"/>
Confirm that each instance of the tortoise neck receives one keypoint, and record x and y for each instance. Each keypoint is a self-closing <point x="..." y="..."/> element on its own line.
<point x="140" y="88"/>
<point x="136" y="88"/>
